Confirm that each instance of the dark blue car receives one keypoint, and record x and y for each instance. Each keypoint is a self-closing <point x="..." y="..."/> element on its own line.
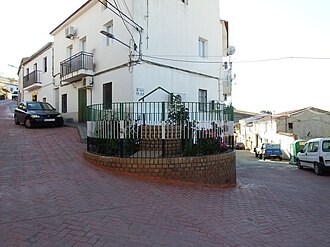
<point x="34" y="113"/>
<point x="271" y="151"/>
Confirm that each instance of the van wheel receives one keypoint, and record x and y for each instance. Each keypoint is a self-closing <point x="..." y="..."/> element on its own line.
<point x="317" y="169"/>
<point x="299" y="165"/>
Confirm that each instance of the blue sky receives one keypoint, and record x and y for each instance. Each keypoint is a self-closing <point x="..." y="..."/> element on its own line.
<point x="266" y="29"/>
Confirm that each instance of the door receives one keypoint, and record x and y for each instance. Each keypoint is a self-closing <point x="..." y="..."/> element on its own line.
<point x="82" y="105"/>
<point x="309" y="154"/>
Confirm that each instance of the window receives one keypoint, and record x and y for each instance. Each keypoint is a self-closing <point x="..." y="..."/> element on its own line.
<point x="45" y="64"/>
<point x="83" y="44"/>
<point x="313" y="147"/>
<point x="290" y="125"/>
<point x="27" y="73"/>
<point x="326" y="146"/>
<point x="109" y="29"/>
<point x="202" y="100"/>
<point x="107" y="95"/>
<point x="69" y="51"/>
<point x="64" y="103"/>
<point x="202" y="46"/>
<point x="35" y="66"/>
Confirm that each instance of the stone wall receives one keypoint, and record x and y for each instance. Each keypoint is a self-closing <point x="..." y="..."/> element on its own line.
<point x="208" y="170"/>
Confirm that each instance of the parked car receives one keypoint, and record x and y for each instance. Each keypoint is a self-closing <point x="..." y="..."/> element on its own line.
<point x="14" y="95"/>
<point x="269" y="151"/>
<point x="34" y="113"/>
<point x="315" y="154"/>
<point x="240" y="146"/>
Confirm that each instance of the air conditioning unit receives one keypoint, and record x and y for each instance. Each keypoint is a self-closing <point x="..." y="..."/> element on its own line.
<point x="70" y="32"/>
<point x="88" y="81"/>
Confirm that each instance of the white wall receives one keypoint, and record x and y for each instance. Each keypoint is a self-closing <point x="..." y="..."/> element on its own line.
<point x="173" y="28"/>
<point x="149" y="77"/>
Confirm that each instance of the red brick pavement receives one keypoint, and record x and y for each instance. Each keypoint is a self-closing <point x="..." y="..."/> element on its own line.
<point x="50" y="196"/>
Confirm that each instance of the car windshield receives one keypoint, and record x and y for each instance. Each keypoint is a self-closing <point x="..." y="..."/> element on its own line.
<point x="39" y="106"/>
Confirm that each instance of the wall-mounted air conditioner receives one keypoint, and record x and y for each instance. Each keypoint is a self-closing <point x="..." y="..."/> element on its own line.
<point x="70" y="32"/>
<point x="88" y="81"/>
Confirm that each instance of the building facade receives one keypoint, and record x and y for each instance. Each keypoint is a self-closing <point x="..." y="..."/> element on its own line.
<point x="284" y="128"/>
<point x="36" y="81"/>
<point x="120" y="52"/>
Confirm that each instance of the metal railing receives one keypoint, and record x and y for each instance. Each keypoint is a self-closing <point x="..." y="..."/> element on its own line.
<point x="81" y="60"/>
<point x="158" y="129"/>
<point x="32" y="78"/>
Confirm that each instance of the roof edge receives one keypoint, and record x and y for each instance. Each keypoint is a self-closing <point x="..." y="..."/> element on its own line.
<point x="53" y="32"/>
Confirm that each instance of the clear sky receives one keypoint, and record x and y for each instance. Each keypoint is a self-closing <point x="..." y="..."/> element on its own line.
<point x="267" y="29"/>
<point x="259" y="29"/>
<point x="25" y="27"/>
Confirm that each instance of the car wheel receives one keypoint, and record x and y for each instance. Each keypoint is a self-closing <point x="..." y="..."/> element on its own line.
<point x="299" y="165"/>
<point x="16" y="120"/>
<point x="317" y="169"/>
<point x="27" y="123"/>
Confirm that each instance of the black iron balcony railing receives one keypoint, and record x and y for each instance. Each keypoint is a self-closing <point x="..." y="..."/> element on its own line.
<point x="32" y="78"/>
<point x="81" y="60"/>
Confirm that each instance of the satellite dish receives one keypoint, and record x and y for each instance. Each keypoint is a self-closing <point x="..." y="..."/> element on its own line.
<point x="230" y="50"/>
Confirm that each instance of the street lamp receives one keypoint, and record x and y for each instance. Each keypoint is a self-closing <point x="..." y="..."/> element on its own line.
<point x="13" y="66"/>
<point x="111" y="36"/>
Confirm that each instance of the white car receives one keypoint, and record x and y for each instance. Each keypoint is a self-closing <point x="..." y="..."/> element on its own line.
<point x="14" y="95"/>
<point x="315" y="154"/>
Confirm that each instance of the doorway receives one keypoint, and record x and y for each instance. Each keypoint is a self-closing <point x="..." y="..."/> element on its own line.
<point x="82" y="105"/>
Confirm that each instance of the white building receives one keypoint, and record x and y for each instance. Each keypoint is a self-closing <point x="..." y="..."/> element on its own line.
<point x="286" y="127"/>
<point x="178" y="45"/>
<point x="173" y="44"/>
<point x="36" y="76"/>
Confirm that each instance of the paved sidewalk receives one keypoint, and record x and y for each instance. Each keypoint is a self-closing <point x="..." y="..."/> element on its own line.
<point x="51" y="196"/>
<point x="81" y="127"/>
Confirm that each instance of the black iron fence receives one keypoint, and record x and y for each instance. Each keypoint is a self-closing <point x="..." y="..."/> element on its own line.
<point x="81" y="60"/>
<point x="159" y="129"/>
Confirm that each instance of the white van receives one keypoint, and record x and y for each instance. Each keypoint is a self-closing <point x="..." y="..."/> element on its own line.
<point x="315" y="154"/>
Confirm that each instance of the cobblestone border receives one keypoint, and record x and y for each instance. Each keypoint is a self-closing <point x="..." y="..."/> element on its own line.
<point x="209" y="170"/>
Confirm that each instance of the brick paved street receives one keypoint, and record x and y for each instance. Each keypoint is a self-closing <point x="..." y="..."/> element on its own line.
<point x="51" y="196"/>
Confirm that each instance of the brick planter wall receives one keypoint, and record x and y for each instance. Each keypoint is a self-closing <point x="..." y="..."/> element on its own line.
<point x="208" y="170"/>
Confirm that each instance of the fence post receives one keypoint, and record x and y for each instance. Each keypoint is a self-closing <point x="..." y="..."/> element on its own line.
<point x="163" y="129"/>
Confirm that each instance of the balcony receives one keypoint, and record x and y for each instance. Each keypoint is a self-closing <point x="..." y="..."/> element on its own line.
<point x="77" y="67"/>
<point x="32" y="81"/>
